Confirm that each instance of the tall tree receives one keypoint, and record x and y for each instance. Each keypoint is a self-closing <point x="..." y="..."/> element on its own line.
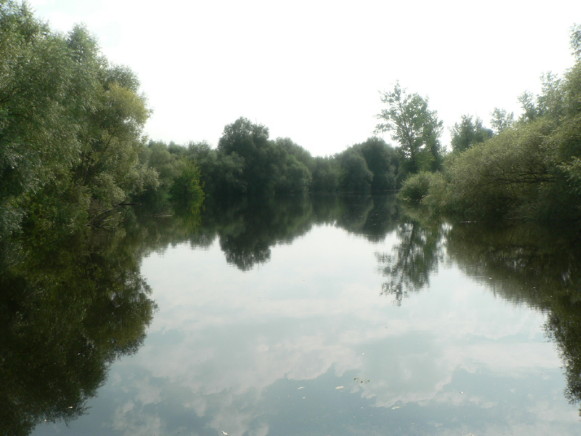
<point x="414" y="126"/>
<point x="469" y="132"/>
<point x="355" y="176"/>
<point x="501" y="120"/>
<point x="250" y="142"/>
<point x="382" y="161"/>
<point x="576" y="41"/>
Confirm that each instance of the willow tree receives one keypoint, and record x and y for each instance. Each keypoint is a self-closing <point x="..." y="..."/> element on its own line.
<point x="70" y="125"/>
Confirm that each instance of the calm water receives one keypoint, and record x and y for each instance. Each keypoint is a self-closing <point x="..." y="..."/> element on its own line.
<point x="333" y="317"/>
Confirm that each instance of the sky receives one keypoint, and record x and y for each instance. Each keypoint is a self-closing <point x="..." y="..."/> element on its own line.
<point x="314" y="70"/>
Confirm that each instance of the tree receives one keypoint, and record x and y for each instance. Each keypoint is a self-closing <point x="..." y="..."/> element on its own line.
<point x="292" y="163"/>
<point x="416" y="128"/>
<point x="501" y="120"/>
<point x="250" y="141"/>
<point x="382" y="161"/>
<point x="469" y="132"/>
<point x="70" y="126"/>
<point x="355" y="176"/>
<point x="325" y="175"/>
<point x="38" y="97"/>
<point x="576" y="41"/>
<point x="550" y="102"/>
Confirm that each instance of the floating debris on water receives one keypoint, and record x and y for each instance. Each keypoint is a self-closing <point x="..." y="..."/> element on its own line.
<point x="361" y="380"/>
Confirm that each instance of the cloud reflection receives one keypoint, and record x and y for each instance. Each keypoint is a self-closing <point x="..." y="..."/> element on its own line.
<point x="232" y="341"/>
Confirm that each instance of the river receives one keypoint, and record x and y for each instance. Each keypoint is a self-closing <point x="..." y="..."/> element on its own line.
<point x="332" y="316"/>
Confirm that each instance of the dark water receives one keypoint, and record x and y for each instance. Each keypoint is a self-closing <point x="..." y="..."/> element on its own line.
<point x="328" y="317"/>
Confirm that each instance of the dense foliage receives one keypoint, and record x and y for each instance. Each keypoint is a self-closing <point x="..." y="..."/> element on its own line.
<point x="247" y="163"/>
<point x="70" y="128"/>
<point x="72" y="150"/>
<point x="415" y="127"/>
<point x="531" y="169"/>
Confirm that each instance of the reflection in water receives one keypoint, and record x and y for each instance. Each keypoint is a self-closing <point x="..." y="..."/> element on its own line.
<point x="69" y="306"/>
<point x="72" y="304"/>
<point x="301" y="345"/>
<point x="248" y="229"/>
<point x="521" y="263"/>
<point x="416" y="254"/>
<point x="529" y="264"/>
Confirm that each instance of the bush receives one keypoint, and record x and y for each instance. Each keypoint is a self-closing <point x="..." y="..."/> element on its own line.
<point x="416" y="187"/>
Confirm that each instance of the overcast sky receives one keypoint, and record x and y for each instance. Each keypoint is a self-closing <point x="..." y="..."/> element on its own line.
<point x="313" y="70"/>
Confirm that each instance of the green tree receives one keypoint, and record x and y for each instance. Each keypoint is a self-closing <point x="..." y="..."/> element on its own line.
<point x="355" y="175"/>
<point x="468" y="132"/>
<point x="250" y="142"/>
<point x="39" y="97"/>
<point x="179" y="179"/>
<point x="414" y="126"/>
<point x="292" y="163"/>
<point x="186" y="192"/>
<point x="383" y="162"/>
<point x="326" y="174"/>
<point x="70" y="126"/>
<point x="501" y="120"/>
<point x="576" y="41"/>
<point x="550" y="103"/>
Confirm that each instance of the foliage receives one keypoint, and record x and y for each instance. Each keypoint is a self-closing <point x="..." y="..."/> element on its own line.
<point x="248" y="163"/>
<point x="530" y="170"/>
<point x="179" y="181"/>
<point x="501" y="120"/>
<point x="250" y="142"/>
<point x="325" y="175"/>
<point x="355" y="176"/>
<point x="221" y="174"/>
<point x="424" y="187"/>
<point x="468" y="133"/>
<point x="383" y="162"/>
<point x="70" y="126"/>
<point x="293" y="167"/>
<point x="415" y="127"/>
<point x="576" y="41"/>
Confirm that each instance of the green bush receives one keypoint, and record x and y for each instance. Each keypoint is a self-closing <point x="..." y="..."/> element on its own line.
<point x="416" y="187"/>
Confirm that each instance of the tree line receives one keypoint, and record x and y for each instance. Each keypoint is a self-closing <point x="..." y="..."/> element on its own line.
<point x="247" y="162"/>
<point x="73" y="151"/>
<point x="527" y="169"/>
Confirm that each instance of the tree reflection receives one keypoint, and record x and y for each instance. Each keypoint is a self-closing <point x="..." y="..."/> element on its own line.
<point x="414" y="257"/>
<point x="524" y="264"/>
<point x="248" y="228"/>
<point x="69" y="306"/>
<point x="531" y="265"/>
<point x="372" y="217"/>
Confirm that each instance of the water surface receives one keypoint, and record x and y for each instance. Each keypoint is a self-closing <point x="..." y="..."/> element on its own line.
<point x="343" y="317"/>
